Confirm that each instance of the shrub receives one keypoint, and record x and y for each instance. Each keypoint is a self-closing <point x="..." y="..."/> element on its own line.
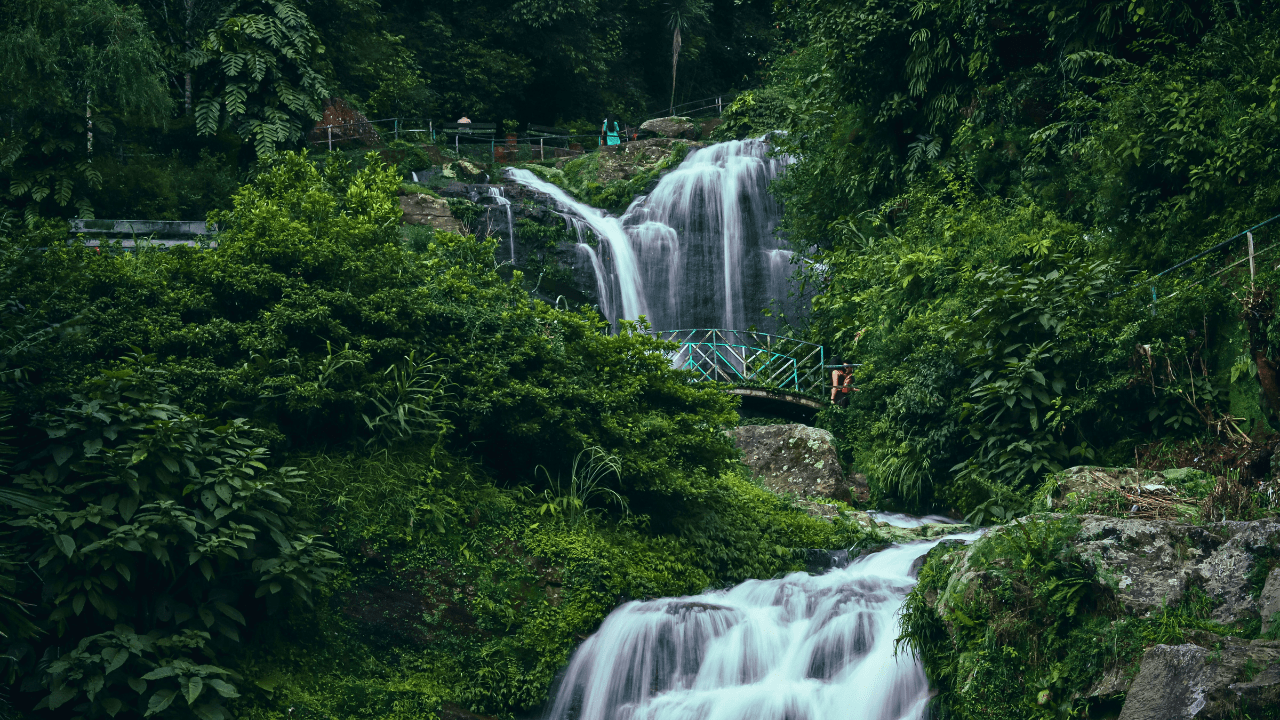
<point x="159" y="537"/>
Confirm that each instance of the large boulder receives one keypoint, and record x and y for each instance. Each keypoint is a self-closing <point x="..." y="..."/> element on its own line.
<point x="792" y="459"/>
<point x="672" y="127"/>
<point x="1155" y="561"/>
<point x="1179" y="682"/>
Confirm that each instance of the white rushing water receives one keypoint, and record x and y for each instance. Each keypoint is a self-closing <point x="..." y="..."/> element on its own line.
<point x="799" y="648"/>
<point x="903" y="520"/>
<point x="502" y="201"/>
<point x="699" y="251"/>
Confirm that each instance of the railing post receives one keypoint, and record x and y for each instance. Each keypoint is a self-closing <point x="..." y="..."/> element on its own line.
<point x="330" y="138"/>
<point x="1251" y="270"/>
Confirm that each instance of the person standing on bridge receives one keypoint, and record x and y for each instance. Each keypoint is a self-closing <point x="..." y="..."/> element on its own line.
<point x="841" y="384"/>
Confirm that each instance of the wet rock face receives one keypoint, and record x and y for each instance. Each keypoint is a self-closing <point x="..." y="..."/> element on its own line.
<point x="672" y="127"/>
<point x="1179" y="682"/>
<point x="420" y="209"/>
<point x="1156" y="561"/>
<point x="792" y="459"/>
<point x="1270" y="601"/>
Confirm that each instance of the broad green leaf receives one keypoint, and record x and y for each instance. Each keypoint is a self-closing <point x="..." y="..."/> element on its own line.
<point x="195" y="685"/>
<point x="62" y="695"/>
<point x="66" y="544"/>
<point x="230" y="612"/>
<point x="161" y="672"/>
<point x="159" y="701"/>
<point x="62" y="453"/>
<point x="227" y="690"/>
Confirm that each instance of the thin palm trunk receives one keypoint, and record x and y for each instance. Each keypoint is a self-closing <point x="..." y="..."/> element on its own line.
<point x="675" y="57"/>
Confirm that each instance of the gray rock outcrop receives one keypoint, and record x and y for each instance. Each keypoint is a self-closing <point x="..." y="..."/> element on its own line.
<point x="1270" y="601"/>
<point x="1179" y="682"/>
<point x="672" y="127"/>
<point x="792" y="459"/>
<point x="1154" y="562"/>
<point x="421" y="209"/>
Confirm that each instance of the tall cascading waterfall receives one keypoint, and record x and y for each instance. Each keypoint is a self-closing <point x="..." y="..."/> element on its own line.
<point x="799" y="648"/>
<point x="700" y="251"/>
<point x="502" y="201"/>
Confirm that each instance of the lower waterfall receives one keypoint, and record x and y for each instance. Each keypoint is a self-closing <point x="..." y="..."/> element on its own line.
<point x="798" y="648"/>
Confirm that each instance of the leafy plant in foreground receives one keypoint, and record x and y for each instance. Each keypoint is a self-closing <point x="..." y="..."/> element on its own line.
<point x="159" y="531"/>
<point x="1028" y="331"/>
<point x="573" y="500"/>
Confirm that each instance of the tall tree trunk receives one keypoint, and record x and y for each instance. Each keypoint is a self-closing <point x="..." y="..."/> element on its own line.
<point x="1258" y="312"/>
<point x="191" y="9"/>
<point x="675" y="57"/>
<point x="88" y="123"/>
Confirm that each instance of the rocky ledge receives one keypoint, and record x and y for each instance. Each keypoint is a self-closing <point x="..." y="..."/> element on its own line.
<point x="1143" y="567"/>
<point x="1180" y="682"/>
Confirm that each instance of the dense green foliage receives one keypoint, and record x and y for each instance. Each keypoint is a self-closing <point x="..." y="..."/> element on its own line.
<point x="93" y="87"/>
<point x="487" y="475"/>
<point x="61" y="60"/>
<point x="983" y="219"/>
<point x="155" y="525"/>
<point x="336" y="468"/>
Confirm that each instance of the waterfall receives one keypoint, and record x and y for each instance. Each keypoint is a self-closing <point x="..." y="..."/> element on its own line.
<point x="495" y="192"/>
<point x="605" y="227"/>
<point x="799" y="648"/>
<point x="602" y="280"/>
<point x="700" y="250"/>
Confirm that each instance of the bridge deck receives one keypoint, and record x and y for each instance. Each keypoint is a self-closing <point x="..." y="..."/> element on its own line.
<point x="766" y="366"/>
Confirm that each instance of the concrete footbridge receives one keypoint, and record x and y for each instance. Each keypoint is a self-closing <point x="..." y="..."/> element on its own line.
<point x="765" y="369"/>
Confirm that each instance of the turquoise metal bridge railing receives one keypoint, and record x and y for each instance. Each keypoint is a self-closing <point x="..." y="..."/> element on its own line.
<point x="746" y="357"/>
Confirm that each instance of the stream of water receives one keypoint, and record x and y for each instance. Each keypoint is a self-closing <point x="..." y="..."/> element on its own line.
<point x="798" y="648"/>
<point x="698" y="252"/>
